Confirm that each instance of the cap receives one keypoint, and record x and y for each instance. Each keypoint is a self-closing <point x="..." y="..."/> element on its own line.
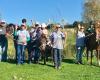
<point x="43" y="25"/>
<point x="58" y="26"/>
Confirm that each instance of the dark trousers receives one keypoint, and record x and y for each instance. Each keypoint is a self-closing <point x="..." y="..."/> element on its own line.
<point x="3" y="47"/>
<point x="37" y="54"/>
<point x="30" y="51"/>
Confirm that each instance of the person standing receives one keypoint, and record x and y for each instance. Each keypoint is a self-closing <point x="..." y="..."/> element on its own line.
<point x="3" y="42"/>
<point x="23" y="38"/>
<point x="80" y="44"/>
<point x="37" y="44"/>
<point x="57" y="38"/>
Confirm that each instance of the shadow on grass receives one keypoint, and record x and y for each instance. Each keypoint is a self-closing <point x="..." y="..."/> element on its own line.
<point x="71" y="61"/>
<point x="47" y="64"/>
<point x="11" y="61"/>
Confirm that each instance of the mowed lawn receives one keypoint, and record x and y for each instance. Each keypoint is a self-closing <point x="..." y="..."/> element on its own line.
<point x="69" y="71"/>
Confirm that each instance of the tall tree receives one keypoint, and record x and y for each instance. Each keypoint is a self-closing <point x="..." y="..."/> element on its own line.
<point x="91" y="10"/>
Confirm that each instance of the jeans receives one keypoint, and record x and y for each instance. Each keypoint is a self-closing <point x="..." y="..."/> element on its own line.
<point x="20" y="53"/>
<point x="3" y="48"/>
<point x="57" y="57"/>
<point x="79" y="53"/>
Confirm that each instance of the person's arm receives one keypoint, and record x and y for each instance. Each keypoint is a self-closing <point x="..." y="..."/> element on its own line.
<point x="28" y="36"/>
<point x="52" y="38"/>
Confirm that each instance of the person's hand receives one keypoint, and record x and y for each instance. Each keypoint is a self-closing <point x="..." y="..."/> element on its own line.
<point x="24" y="42"/>
<point x="16" y="26"/>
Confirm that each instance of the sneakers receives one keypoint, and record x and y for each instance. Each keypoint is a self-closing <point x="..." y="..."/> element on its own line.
<point x="79" y="62"/>
<point x="57" y="67"/>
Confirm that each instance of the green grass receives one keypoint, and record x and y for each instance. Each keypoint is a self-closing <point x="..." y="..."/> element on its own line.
<point x="69" y="71"/>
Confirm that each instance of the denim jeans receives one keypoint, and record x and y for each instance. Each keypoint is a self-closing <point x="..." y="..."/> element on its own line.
<point x="20" y="53"/>
<point x="3" y="47"/>
<point x="79" y="53"/>
<point x="57" y="57"/>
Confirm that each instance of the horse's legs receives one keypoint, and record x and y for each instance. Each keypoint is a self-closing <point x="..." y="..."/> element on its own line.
<point x="87" y="53"/>
<point x="44" y="57"/>
<point x="99" y="57"/>
<point x="91" y="56"/>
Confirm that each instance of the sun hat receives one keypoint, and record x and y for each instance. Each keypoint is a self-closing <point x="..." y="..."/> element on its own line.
<point x="58" y="26"/>
<point x="43" y="25"/>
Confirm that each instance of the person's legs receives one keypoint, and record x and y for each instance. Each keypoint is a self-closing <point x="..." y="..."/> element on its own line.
<point x="37" y="54"/>
<point x="55" y="57"/>
<point x="18" y="54"/>
<point x="30" y="52"/>
<point x="15" y="45"/>
<point x="23" y="53"/>
<point x="78" y="53"/>
<point x="59" y="51"/>
<point x="4" y="49"/>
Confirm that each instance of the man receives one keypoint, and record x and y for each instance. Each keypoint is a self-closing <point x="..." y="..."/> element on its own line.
<point x="3" y="41"/>
<point x="57" y="38"/>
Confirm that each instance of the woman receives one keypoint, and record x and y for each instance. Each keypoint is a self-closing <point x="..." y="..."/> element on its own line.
<point x="57" y="38"/>
<point x="23" y="38"/>
<point x="80" y="44"/>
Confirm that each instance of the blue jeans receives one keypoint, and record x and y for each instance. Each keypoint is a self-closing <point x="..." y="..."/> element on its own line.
<point x="57" y="57"/>
<point x="3" y="47"/>
<point x="79" y="53"/>
<point x="20" y="53"/>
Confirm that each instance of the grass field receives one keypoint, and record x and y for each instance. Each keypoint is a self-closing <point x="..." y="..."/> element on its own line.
<point x="69" y="71"/>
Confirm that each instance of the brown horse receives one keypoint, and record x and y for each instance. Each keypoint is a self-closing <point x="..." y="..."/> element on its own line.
<point x="45" y="48"/>
<point x="97" y="29"/>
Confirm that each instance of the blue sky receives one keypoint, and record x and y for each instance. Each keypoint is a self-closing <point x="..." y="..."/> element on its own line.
<point x="40" y="10"/>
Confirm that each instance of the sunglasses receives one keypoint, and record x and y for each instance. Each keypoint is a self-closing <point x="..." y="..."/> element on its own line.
<point x="81" y="28"/>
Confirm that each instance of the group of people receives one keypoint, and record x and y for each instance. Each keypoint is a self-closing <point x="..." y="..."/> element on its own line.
<point x="32" y="40"/>
<point x="36" y="41"/>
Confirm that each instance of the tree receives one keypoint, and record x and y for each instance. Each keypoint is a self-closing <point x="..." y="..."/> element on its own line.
<point x="91" y="10"/>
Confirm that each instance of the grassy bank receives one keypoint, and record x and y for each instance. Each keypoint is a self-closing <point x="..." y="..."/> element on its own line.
<point x="69" y="71"/>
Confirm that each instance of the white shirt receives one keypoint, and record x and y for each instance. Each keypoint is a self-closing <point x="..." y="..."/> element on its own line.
<point x="57" y="39"/>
